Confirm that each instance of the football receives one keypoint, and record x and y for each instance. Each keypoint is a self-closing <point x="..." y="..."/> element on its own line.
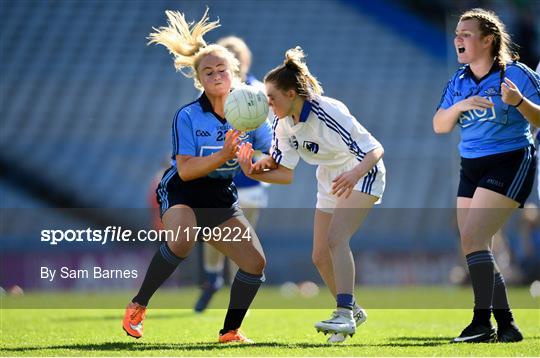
<point x="246" y="108"/>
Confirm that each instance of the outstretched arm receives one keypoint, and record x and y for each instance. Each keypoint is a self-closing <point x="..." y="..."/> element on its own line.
<point x="265" y="170"/>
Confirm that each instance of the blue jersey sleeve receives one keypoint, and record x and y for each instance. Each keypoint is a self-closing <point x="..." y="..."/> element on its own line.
<point x="526" y="80"/>
<point x="447" y="99"/>
<point x="182" y="133"/>
<point x="262" y="138"/>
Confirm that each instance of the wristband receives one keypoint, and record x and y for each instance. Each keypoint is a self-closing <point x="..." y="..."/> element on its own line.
<point x="520" y="102"/>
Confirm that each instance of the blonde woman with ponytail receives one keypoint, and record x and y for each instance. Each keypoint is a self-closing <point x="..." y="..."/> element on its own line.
<point x="494" y="100"/>
<point x="197" y="190"/>
<point x="350" y="175"/>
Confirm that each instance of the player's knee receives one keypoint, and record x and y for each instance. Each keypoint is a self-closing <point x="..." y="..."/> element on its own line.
<point x="337" y="242"/>
<point x="321" y="258"/>
<point x="470" y="243"/>
<point x="256" y="265"/>
<point x="181" y="248"/>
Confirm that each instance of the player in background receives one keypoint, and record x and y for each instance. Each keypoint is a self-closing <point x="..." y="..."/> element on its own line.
<point x="251" y="193"/>
<point x="350" y="175"/>
<point x="197" y="190"/>
<point x="494" y="100"/>
<point x="538" y="141"/>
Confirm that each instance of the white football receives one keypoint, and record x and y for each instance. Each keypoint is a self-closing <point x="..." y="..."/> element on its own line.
<point x="246" y="108"/>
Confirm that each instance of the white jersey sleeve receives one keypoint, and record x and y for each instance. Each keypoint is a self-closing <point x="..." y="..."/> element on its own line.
<point x="282" y="151"/>
<point x="357" y="138"/>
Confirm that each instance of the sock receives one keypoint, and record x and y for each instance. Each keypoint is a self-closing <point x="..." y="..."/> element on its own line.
<point x="481" y="266"/>
<point x="161" y="267"/>
<point x="243" y="291"/>
<point x="501" y="308"/>
<point x="345" y="300"/>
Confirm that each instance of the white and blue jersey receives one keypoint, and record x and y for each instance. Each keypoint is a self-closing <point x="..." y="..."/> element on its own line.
<point x="501" y="128"/>
<point x="198" y="131"/>
<point x="329" y="136"/>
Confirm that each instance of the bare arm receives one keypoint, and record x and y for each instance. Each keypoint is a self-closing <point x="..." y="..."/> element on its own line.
<point x="265" y="170"/>
<point x="344" y="183"/>
<point x="445" y="119"/>
<point x="190" y="167"/>
<point x="513" y="97"/>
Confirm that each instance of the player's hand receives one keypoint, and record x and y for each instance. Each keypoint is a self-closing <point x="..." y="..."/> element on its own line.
<point x="267" y="163"/>
<point x="474" y="102"/>
<point x="230" y="147"/>
<point x="245" y="157"/>
<point x="344" y="183"/>
<point x="510" y="94"/>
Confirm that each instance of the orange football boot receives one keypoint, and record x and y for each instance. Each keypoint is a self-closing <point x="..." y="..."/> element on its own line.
<point x="133" y="320"/>
<point x="234" y="335"/>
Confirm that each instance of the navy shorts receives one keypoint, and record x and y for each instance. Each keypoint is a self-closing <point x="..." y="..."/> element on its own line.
<point x="213" y="201"/>
<point x="510" y="174"/>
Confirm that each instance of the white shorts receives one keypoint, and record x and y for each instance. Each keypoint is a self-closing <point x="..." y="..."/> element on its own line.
<point x="253" y="197"/>
<point x="372" y="184"/>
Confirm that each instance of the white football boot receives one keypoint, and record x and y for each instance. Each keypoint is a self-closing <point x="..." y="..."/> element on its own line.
<point x="342" y="321"/>
<point x="360" y="316"/>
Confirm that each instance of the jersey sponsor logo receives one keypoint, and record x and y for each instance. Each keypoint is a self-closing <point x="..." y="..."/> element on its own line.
<point x="227" y="170"/>
<point x="311" y="146"/>
<point x="201" y="133"/>
<point x="468" y="118"/>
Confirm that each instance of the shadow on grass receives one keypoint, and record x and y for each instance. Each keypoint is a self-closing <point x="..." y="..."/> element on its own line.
<point x="214" y="346"/>
<point x="119" y="317"/>
<point x="197" y="346"/>
<point x="422" y="339"/>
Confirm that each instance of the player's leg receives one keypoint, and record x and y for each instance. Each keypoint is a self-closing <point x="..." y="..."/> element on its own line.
<point x="463" y="205"/>
<point x="252" y="215"/>
<point x="487" y="213"/>
<point x="251" y="200"/>
<point x="348" y="216"/>
<point x="246" y="251"/>
<point x="321" y="252"/>
<point x="507" y="330"/>
<point x="165" y="260"/>
<point x="213" y="264"/>
<point x="323" y="262"/>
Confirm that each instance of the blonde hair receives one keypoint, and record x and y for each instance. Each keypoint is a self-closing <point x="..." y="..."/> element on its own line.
<point x="240" y="50"/>
<point x="490" y="24"/>
<point x="294" y="74"/>
<point x="186" y="43"/>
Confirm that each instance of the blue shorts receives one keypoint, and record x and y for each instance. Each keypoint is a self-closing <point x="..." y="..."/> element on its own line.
<point x="510" y="174"/>
<point x="213" y="201"/>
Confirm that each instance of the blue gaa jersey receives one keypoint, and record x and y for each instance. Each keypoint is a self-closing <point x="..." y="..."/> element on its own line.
<point x="501" y="128"/>
<point x="199" y="131"/>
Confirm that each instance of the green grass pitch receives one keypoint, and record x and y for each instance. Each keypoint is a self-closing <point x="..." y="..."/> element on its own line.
<point x="276" y="331"/>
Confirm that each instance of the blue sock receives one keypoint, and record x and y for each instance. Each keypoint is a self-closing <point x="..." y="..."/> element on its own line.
<point x="345" y="300"/>
<point x="481" y="266"/>
<point x="161" y="267"/>
<point x="243" y="291"/>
